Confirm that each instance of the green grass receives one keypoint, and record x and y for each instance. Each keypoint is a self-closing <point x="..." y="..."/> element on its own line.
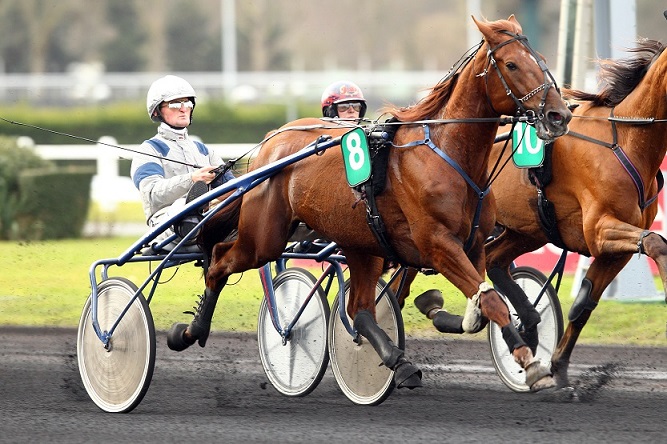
<point x="124" y="212"/>
<point x="46" y="284"/>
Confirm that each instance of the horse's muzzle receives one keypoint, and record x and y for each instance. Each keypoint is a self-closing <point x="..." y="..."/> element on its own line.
<point x="554" y="124"/>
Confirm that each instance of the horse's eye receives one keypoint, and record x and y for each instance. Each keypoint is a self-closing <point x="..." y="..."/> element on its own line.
<point x="511" y="66"/>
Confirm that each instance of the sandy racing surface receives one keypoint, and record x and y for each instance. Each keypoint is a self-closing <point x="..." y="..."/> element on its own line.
<point x="220" y="394"/>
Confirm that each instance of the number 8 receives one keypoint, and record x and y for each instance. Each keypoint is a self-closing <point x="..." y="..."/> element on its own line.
<point x="356" y="157"/>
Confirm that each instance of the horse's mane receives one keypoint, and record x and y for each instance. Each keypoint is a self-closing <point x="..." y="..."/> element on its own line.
<point x="430" y="106"/>
<point x="620" y="77"/>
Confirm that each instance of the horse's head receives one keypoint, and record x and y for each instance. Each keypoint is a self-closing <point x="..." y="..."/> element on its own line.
<point x="518" y="81"/>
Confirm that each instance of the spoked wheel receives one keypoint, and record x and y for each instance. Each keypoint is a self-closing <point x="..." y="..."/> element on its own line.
<point x="117" y="377"/>
<point x="357" y="367"/>
<point x="549" y="330"/>
<point x="296" y="366"/>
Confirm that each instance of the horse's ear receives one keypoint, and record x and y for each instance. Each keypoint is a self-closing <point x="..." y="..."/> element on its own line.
<point x="665" y="14"/>
<point x="483" y="27"/>
<point x="513" y="19"/>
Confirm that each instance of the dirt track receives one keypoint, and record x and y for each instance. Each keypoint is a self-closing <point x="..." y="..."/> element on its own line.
<point x="220" y="394"/>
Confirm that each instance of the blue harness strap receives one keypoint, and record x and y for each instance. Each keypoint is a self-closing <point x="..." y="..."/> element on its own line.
<point x="481" y="194"/>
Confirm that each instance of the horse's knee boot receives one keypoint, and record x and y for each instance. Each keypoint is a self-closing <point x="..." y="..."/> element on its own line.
<point x="378" y="338"/>
<point x="200" y="327"/>
<point x="446" y="322"/>
<point x="531" y="338"/>
<point x="529" y="316"/>
<point x="512" y="337"/>
<point x="582" y="304"/>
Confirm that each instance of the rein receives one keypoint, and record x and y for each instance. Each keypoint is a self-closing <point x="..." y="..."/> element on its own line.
<point x="624" y="159"/>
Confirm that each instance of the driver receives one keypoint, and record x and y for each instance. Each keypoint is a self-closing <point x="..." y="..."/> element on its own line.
<point x="177" y="168"/>
<point x="344" y="100"/>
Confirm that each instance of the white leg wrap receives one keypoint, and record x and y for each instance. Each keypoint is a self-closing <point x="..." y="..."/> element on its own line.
<point x="472" y="320"/>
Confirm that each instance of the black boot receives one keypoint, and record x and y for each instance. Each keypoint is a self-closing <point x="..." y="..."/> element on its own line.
<point x="181" y="336"/>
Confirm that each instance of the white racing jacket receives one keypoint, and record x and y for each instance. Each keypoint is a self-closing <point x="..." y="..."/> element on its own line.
<point x="161" y="181"/>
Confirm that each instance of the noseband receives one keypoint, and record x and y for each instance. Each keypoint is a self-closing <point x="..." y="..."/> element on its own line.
<point x="549" y="80"/>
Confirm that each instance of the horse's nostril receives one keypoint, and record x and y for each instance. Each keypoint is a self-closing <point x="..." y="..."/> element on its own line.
<point x="557" y="119"/>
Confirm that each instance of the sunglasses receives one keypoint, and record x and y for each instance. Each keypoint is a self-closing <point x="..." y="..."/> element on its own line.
<point x="177" y="104"/>
<point x="343" y="107"/>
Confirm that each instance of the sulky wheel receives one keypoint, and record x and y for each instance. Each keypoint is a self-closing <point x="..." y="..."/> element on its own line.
<point x="117" y="377"/>
<point x="550" y="329"/>
<point x="296" y="366"/>
<point x="358" y="369"/>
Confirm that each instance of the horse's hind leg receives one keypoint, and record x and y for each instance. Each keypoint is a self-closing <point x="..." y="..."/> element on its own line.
<point x="252" y="249"/>
<point x="181" y="336"/>
<point x="601" y="272"/>
<point x="364" y="274"/>
<point x="655" y="247"/>
<point x="500" y="252"/>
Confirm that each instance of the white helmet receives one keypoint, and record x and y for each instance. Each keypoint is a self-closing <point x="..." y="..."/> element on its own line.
<point x="165" y="89"/>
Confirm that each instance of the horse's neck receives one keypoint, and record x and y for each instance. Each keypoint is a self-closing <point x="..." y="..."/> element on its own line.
<point x="469" y="143"/>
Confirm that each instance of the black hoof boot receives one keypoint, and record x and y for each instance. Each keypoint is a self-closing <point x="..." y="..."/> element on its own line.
<point x="176" y="339"/>
<point x="429" y="302"/>
<point x="406" y="375"/>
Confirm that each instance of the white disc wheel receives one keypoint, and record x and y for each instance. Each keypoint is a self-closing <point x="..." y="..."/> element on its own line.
<point x="117" y="377"/>
<point x="357" y="368"/>
<point x="295" y="366"/>
<point x="549" y="330"/>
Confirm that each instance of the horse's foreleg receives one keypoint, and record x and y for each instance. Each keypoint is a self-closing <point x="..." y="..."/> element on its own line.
<point x="529" y="316"/>
<point x="538" y="376"/>
<point x="482" y="297"/>
<point x="601" y="272"/>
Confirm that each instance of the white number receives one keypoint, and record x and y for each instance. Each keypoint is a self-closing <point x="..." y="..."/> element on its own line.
<point x="356" y="157"/>
<point x="532" y="143"/>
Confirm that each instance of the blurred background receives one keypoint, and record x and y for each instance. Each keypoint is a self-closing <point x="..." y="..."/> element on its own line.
<point x="77" y="52"/>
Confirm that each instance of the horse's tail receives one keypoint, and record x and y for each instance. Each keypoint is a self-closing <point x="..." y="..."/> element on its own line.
<point x="221" y="226"/>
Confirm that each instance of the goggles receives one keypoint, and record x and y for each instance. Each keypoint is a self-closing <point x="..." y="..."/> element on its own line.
<point x="177" y="104"/>
<point x="343" y="107"/>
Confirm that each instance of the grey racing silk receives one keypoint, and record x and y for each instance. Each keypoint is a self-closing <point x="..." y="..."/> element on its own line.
<point x="159" y="180"/>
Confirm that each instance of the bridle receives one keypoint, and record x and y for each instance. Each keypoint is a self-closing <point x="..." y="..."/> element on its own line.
<point x="549" y="80"/>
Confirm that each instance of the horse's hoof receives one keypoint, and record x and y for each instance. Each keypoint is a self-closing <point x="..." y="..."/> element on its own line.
<point x="547" y="382"/>
<point x="429" y="301"/>
<point x="407" y="376"/>
<point x="176" y="339"/>
<point x="539" y="377"/>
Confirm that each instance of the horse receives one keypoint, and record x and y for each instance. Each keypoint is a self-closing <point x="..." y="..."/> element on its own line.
<point x="605" y="176"/>
<point x="429" y="205"/>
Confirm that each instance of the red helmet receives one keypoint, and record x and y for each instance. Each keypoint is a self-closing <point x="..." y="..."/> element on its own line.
<point x="341" y="92"/>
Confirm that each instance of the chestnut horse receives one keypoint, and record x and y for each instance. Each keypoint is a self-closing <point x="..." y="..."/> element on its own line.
<point x="429" y="205"/>
<point x="605" y="176"/>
